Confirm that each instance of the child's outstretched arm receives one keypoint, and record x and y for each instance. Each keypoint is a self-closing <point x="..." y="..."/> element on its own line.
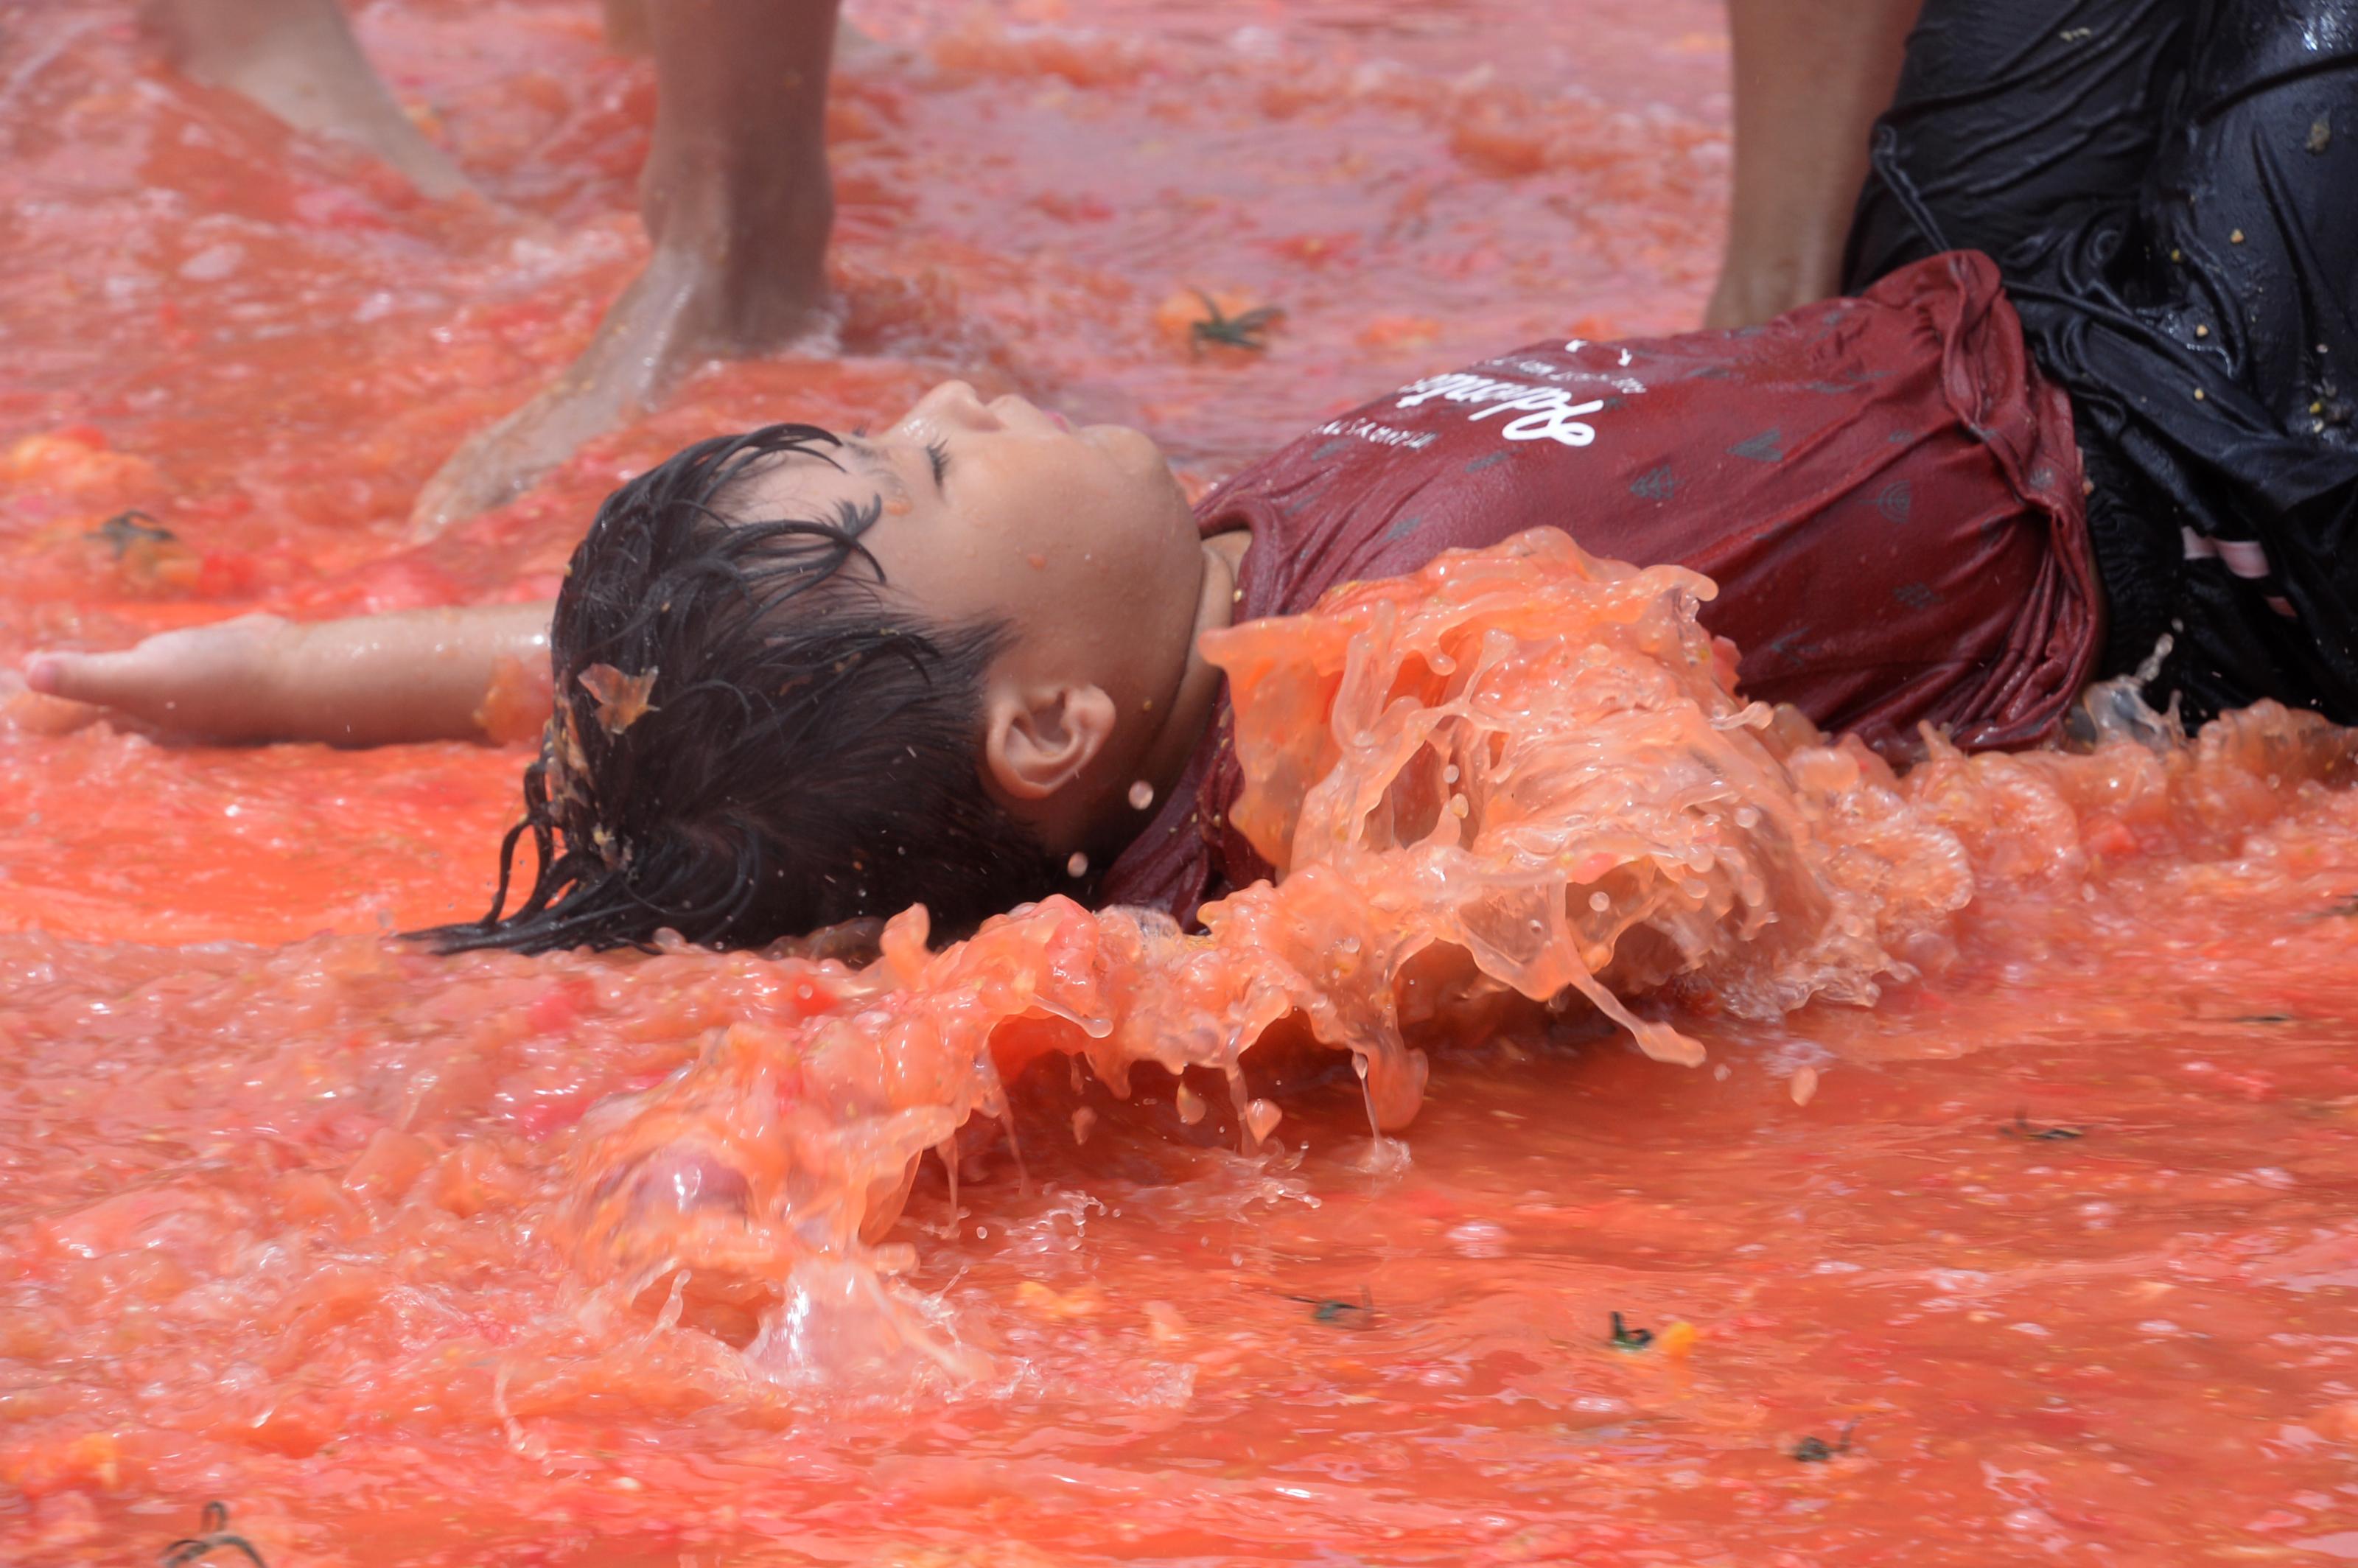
<point x="371" y="680"/>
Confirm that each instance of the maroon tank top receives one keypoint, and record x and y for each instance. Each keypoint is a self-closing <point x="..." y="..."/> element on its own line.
<point x="1883" y="487"/>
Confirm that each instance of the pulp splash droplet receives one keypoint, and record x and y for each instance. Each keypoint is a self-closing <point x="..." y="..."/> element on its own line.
<point x="1142" y="795"/>
<point x="1261" y="1118"/>
<point x="1383" y="1155"/>
<point x="1189" y="1105"/>
<point x="1239" y="1101"/>
<point x="1083" y="1120"/>
<point x="1804" y="1084"/>
<point x="1163" y="1324"/>
<point x="1015" y="1151"/>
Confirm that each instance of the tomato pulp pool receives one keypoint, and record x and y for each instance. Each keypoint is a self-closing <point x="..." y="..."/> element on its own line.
<point x="2046" y="1256"/>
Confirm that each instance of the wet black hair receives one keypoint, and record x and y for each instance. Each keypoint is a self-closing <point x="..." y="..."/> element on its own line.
<point x="752" y="736"/>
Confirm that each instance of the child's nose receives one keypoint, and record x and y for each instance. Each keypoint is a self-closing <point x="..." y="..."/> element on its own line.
<point x="957" y="404"/>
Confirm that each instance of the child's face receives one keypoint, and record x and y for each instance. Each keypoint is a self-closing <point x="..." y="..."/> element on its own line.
<point x="1068" y="534"/>
<point x="1080" y="541"/>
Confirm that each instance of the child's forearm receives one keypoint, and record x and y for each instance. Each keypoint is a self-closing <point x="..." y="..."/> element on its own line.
<point x="372" y="680"/>
<point x="420" y="675"/>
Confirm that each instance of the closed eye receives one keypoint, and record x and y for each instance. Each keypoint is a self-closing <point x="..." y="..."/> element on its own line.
<point x="939" y="455"/>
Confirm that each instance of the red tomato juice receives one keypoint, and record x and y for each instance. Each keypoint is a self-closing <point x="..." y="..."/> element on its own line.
<point x="2040" y="1256"/>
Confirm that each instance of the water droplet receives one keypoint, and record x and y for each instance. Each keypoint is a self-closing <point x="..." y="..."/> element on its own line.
<point x="1748" y="817"/>
<point x="1142" y="795"/>
<point x="1449" y="773"/>
<point x="1599" y="901"/>
<point x="1083" y="1120"/>
<point x="1190" y="1104"/>
<point x="1078" y="866"/>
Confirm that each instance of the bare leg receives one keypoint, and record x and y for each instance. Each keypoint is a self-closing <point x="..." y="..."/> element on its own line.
<point x="629" y="32"/>
<point x="298" y="60"/>
<point x="628" y="27"/>
<point x="1810" y="77"/>
<point x="736" y="198"/>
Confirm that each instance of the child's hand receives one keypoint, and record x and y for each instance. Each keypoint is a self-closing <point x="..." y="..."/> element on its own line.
<point x="216" y="683"/>
<point x="368" y="680"/>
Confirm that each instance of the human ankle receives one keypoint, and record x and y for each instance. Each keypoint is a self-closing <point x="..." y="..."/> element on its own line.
<point x="758" y="245"/>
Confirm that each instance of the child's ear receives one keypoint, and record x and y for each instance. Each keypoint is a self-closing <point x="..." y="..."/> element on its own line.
<point x="1038" y="741"/>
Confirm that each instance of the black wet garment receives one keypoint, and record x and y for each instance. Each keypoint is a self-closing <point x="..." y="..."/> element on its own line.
<point x="2170" y="189"/>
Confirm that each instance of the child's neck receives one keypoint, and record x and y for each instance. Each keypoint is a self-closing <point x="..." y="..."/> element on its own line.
<point x="1186" y="710"/>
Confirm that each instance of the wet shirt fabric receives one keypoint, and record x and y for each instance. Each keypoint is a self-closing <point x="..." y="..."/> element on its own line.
<point x="2167" y="187"/>
<point x="1885" y="489"/>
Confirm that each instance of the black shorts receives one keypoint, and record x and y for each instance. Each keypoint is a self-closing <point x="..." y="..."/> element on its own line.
<point x="2170" y="190"/>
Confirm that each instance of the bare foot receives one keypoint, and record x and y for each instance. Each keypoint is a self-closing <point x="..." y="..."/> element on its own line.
<point x="674" y="316"/>
<point x="298" y="60"/>
<point x="736" y="198"/>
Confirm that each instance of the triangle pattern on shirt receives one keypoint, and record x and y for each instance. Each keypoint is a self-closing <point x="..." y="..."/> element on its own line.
<point x="1655" y="483"/>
